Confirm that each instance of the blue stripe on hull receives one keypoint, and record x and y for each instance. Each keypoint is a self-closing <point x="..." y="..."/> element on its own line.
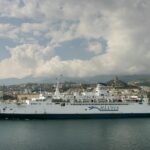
<point x="72" y="116"/>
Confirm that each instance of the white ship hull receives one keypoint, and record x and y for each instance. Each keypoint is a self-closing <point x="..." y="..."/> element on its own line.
<point x="52" y="111"/>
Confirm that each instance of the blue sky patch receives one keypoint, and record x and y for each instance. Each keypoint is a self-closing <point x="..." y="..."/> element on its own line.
<point x="74" y="49"/>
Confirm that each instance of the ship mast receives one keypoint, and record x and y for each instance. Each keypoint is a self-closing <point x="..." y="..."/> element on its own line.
<point x="57" y="92"/>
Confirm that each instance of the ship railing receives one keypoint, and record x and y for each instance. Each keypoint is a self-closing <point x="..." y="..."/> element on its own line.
<point x="99" y="103"/>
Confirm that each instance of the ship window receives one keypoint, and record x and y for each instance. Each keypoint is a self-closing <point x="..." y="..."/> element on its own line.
<point x="33" y="103"/>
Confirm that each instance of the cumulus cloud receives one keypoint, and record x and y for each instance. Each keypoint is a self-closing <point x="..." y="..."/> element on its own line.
<point x="95" y="47"/>
<point x="24" y="60"/>
<point x="123" y="24"/>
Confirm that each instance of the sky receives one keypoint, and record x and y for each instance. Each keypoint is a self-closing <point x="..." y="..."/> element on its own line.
<point x="76" y="38"/>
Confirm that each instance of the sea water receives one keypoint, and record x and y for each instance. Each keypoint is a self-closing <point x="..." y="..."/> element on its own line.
<point x="102" y="134"/>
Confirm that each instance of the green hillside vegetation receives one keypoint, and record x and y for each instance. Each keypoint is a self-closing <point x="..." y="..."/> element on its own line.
<point x="144" y="83"/>
<point x="140" y="82"/>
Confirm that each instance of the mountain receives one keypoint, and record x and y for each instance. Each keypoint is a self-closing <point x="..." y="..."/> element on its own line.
<point x="94" y="79"/>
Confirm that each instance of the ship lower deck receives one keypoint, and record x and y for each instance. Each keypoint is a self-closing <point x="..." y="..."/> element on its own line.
<point x="73" y="116"/>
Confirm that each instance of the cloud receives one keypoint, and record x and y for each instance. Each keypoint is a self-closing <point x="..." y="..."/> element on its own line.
<point x="123" y="25"/>
<point x="8" y="31"/>
<point x="24" y="60"/>
<point x="96" y="47"/>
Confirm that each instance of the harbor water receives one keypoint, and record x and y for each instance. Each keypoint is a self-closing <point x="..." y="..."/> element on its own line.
<point x="102" y="134"/>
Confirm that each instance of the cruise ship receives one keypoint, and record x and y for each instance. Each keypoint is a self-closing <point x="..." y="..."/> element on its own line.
<point x="100" y="103"/>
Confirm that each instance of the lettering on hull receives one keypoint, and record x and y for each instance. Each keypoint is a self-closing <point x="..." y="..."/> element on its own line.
<point x="105" y="108"/>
